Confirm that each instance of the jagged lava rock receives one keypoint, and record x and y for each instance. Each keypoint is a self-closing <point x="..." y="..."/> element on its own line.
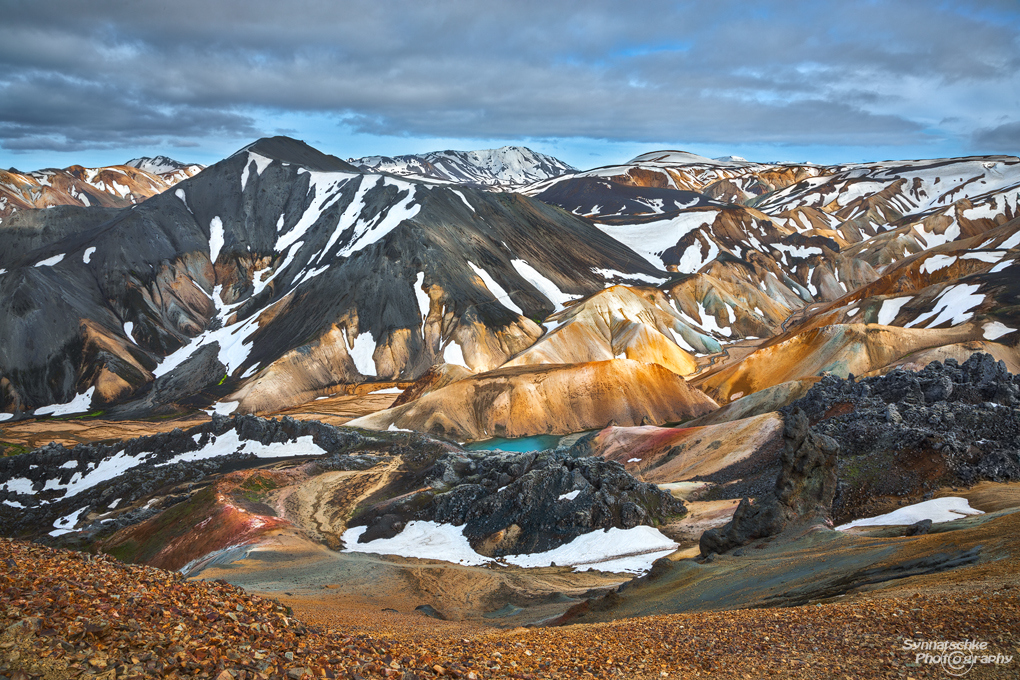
<point x="803" y="493"/>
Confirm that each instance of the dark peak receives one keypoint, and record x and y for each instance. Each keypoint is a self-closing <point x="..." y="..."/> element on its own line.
<point x="287" y="150"/>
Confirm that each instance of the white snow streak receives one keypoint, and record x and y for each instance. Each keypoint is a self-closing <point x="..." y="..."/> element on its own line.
<point x="546" y="287"/>
<point x="50" y="261"/>
<point x="497" y="290"/>
<point x="215" y="238"/>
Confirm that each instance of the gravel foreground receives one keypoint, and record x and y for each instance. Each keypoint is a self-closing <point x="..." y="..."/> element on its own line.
<point x="69" y="615"/>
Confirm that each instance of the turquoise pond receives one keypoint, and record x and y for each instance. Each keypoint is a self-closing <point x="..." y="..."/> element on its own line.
<point x="538" y="442"/>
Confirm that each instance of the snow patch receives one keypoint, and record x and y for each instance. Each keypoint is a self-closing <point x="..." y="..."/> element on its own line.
<point x="1001" y="266"/>
<point x="424" y="540"/>
<point x="361" y="352"/>
<point x="497" y="290"/>
<point x="890" y="308"/>
<point x="80" y="404"/>
<point x="938" y="510"/>
<point x="223" y="408"/>
<point x="952" y="304"/>
<point x="65" y="525"/>
<point x="991" y="258"/>
<point x="546" y="287"/>
<point x="22" y="485"/>
<point x="230" y="442"/>
<point x="616" y="550"/>
<point x="424" y="302"/>
<point x="569" y="496"/>
<point x="179" y="193"/>
<point x="652" y="239"/>
<point x="1012" y="242"/>
<point x="463" y="198"/>
<point x="937" y="262"/>
<point x="453" y="353"/>
<point x="87" y="255"/>
<point x="995" y="330"/>
<point x="50" y="261"/>
<point x="611" y="274"/>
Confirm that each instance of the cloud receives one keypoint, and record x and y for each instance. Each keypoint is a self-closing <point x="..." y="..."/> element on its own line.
<point x="1004" y="138"/>
<point x="102" y="74"/>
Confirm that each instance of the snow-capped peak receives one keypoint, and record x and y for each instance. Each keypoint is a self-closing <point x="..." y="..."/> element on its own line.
<point x="507" y="167"/>
<point x="156" y="165"/>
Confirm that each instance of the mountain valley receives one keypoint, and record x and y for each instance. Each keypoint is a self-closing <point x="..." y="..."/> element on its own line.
<point x="434" y="398"/>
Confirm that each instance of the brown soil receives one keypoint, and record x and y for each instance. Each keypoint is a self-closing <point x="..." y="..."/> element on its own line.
<point x="132" y="622"/>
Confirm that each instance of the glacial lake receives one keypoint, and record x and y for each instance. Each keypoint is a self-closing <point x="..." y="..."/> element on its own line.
<point x="538" y="442"/>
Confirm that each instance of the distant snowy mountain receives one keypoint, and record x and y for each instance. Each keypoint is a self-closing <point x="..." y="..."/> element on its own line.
<point x="157" y="165"/>
<point x="508" y="167"/>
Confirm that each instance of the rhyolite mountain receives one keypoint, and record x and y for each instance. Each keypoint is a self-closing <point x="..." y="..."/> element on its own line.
<point x="114" y="186"/>
<point x="505" y="168"/>
<point x="281" y="272"/>
<point x="277" y="272"/>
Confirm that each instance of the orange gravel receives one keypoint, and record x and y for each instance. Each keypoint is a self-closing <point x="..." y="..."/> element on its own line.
<point x="67" y="615"/>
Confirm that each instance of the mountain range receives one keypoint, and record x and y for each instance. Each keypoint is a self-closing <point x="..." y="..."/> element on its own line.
<point x="505" y="168"/>
<point x="712" y="361"/>
<point x="111" y="187"/>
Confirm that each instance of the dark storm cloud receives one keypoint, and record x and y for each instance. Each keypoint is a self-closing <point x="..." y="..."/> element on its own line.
<point x="78" y="75"/>
<point x="1005" y="136"/>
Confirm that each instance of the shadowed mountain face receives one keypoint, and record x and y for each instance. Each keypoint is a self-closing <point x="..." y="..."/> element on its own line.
<point x="280" y="271"/>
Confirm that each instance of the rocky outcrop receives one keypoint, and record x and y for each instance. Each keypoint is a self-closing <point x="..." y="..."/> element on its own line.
<point x="511" y="503"/>
<point x="803" y="493"/>
<point x="906" y="433"/>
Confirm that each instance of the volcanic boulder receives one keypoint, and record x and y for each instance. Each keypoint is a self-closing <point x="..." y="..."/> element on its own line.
<point x="528" y="502"/>
<point x="803" y="493"/>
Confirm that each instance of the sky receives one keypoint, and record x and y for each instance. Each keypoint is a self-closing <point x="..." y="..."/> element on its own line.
<point x="592" y="83"/>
